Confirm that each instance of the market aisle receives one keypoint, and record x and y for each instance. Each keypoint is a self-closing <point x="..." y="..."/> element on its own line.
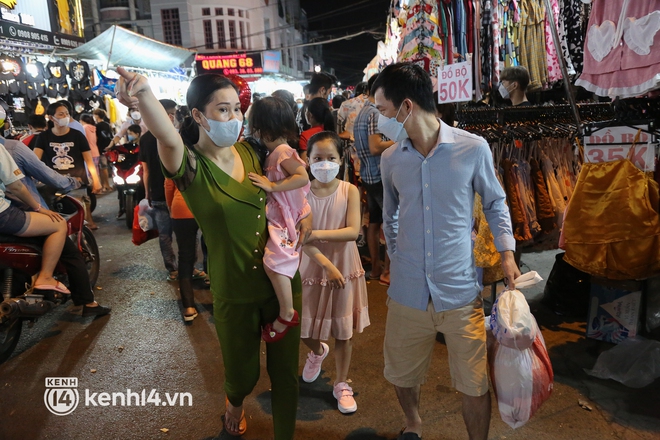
<point x="144" y="345"/>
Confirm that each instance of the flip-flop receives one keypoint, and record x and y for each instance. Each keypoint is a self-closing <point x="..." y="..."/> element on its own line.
<point x="408" y="435"/>
<point x="197" y="274"/>
<point x="242" y="423"/>
<point x="59" y="287"/>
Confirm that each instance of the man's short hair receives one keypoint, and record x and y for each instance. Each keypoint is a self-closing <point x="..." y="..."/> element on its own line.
<point x="402" y="81"/>
<point x="168" y="104"/>
<point x="319" y="80"/>
<point x="517" y="74"/>
<point x="135" y="128"/>
<point x="37" y="121"/>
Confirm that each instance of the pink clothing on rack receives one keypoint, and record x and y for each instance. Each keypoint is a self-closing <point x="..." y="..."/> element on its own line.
<point x="333" y="312"/>
<point x="284" y="209"/>
<point x="621" y="56"/>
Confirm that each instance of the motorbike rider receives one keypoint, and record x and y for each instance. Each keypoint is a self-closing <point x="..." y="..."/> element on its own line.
<point x="133" y="134"/>
<point x="133" y="117"/>
<point x="71" y="258"/>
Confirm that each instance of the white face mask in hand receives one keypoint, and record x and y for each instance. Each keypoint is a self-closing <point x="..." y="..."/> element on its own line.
<point x="324" y="171"/>
<point x="224" y="133"/>
<point x="391" y="128"/>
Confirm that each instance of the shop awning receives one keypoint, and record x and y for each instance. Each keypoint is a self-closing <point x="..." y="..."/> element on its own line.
<point x="130" y="49"/>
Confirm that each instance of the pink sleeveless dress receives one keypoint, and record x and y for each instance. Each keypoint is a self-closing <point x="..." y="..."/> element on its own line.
<point x="333" y="312"/>
<point x="284" y="210"/>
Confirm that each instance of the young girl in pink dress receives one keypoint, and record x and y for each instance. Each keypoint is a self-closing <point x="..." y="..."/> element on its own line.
<point x="334" y="287"/>
<point x="286" y="181"/>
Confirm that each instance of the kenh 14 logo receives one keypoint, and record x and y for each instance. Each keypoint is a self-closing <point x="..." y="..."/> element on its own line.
<point x="61" y="395"/>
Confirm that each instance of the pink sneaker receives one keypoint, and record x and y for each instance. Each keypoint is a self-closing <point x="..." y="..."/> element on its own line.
<point x="344" y="395"/>
<point x="313" y="364"/>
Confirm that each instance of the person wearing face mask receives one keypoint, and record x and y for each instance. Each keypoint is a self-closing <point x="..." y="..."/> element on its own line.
<point x="154" y="190"/>
<point x="430" y="177"/>
<point x="210" y="169"/>
<point x="319" y="116"/>
<point x="133" y="117"/>
<point x="66" y="150"/>
<point x="335" y="302"/>
<point x="369" y="145"/>
<point x="513" y="85"/>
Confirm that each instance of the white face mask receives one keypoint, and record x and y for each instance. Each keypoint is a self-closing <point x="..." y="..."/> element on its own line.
<point x="224" y="133"/>
<point x="391" y="128"/>
<point x="62" y="122"/>
<point x="136" y="116"/>
<point x="503" y="91"/>
<point x="324" y="171"/>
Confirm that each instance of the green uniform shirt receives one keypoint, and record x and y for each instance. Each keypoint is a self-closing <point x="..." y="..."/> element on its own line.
<point x="232" y="217"/>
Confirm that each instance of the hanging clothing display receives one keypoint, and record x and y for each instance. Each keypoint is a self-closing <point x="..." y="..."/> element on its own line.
<point x="35" y="79"/>
<point x="56" y="73"/>
<point x="611" y="228"/>
<point x="622" y="56"/>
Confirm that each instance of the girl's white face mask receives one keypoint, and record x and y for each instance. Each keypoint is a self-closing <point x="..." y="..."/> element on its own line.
<point x="324" y="171"/>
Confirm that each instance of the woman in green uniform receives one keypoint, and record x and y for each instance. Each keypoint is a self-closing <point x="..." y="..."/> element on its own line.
<point x="210" y="169"/>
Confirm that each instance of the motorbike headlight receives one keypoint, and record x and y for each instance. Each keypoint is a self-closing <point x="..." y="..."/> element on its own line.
<point x="118" y="180"/>
<point x="135" y="177"/>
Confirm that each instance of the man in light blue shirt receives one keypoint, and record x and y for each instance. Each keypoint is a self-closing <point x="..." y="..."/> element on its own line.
<point x="429" y="178"/>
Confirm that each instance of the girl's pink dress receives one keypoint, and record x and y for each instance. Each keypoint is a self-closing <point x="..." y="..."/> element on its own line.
<point x="333" y="312"/>
<point x="284" y="210"/>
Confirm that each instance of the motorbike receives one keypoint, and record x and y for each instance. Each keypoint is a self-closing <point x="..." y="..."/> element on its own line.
<point x="127" y="176"/>
<point x="20" y="261"/>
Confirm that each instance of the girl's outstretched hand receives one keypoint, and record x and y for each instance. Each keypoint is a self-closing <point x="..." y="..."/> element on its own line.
<point x="129" y="87"/>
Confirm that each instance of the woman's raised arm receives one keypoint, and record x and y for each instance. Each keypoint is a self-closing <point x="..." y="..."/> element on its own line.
<point x="134" y="90"/>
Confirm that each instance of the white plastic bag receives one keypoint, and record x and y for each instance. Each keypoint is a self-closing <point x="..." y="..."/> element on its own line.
<point x="145" y="218"/>
<point x="522" y="379"/>
<point x="511" y="322"/>
<point x="635" y="362"/>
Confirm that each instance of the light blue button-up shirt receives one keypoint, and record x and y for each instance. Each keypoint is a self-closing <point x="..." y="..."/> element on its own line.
<point x="427" y="218"/>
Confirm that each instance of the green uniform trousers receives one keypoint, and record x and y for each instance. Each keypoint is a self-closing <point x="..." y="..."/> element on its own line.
<point x="239" y="332"/>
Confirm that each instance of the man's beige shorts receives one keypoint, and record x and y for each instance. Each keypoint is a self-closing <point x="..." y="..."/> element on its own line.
<point x="410" y="338"/>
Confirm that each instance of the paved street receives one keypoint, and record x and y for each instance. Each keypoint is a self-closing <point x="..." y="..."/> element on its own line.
<point x="144" y="345"/>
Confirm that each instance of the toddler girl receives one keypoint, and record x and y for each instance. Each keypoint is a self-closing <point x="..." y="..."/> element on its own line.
<point x="287" y="183"/>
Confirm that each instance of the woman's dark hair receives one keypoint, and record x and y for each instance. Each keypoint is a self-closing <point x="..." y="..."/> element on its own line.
<point x="337" y="100"/>
<point x="322" y="136"/>
<point x="402" y="81"/>
<point x="287" y="97"/>
<point x="361" y="88"/>
<point x="446" y="111"/>
<point x="52" y="109"/>
<point x="273" y="118"/>
<point x="87" y="119"/>
<point x="101" y="114"/>
<point x="318" y="108"/>
<point x="199" y="94"/>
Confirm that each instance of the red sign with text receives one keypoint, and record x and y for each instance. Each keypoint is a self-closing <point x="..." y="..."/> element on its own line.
<point x="235" y="64"/>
